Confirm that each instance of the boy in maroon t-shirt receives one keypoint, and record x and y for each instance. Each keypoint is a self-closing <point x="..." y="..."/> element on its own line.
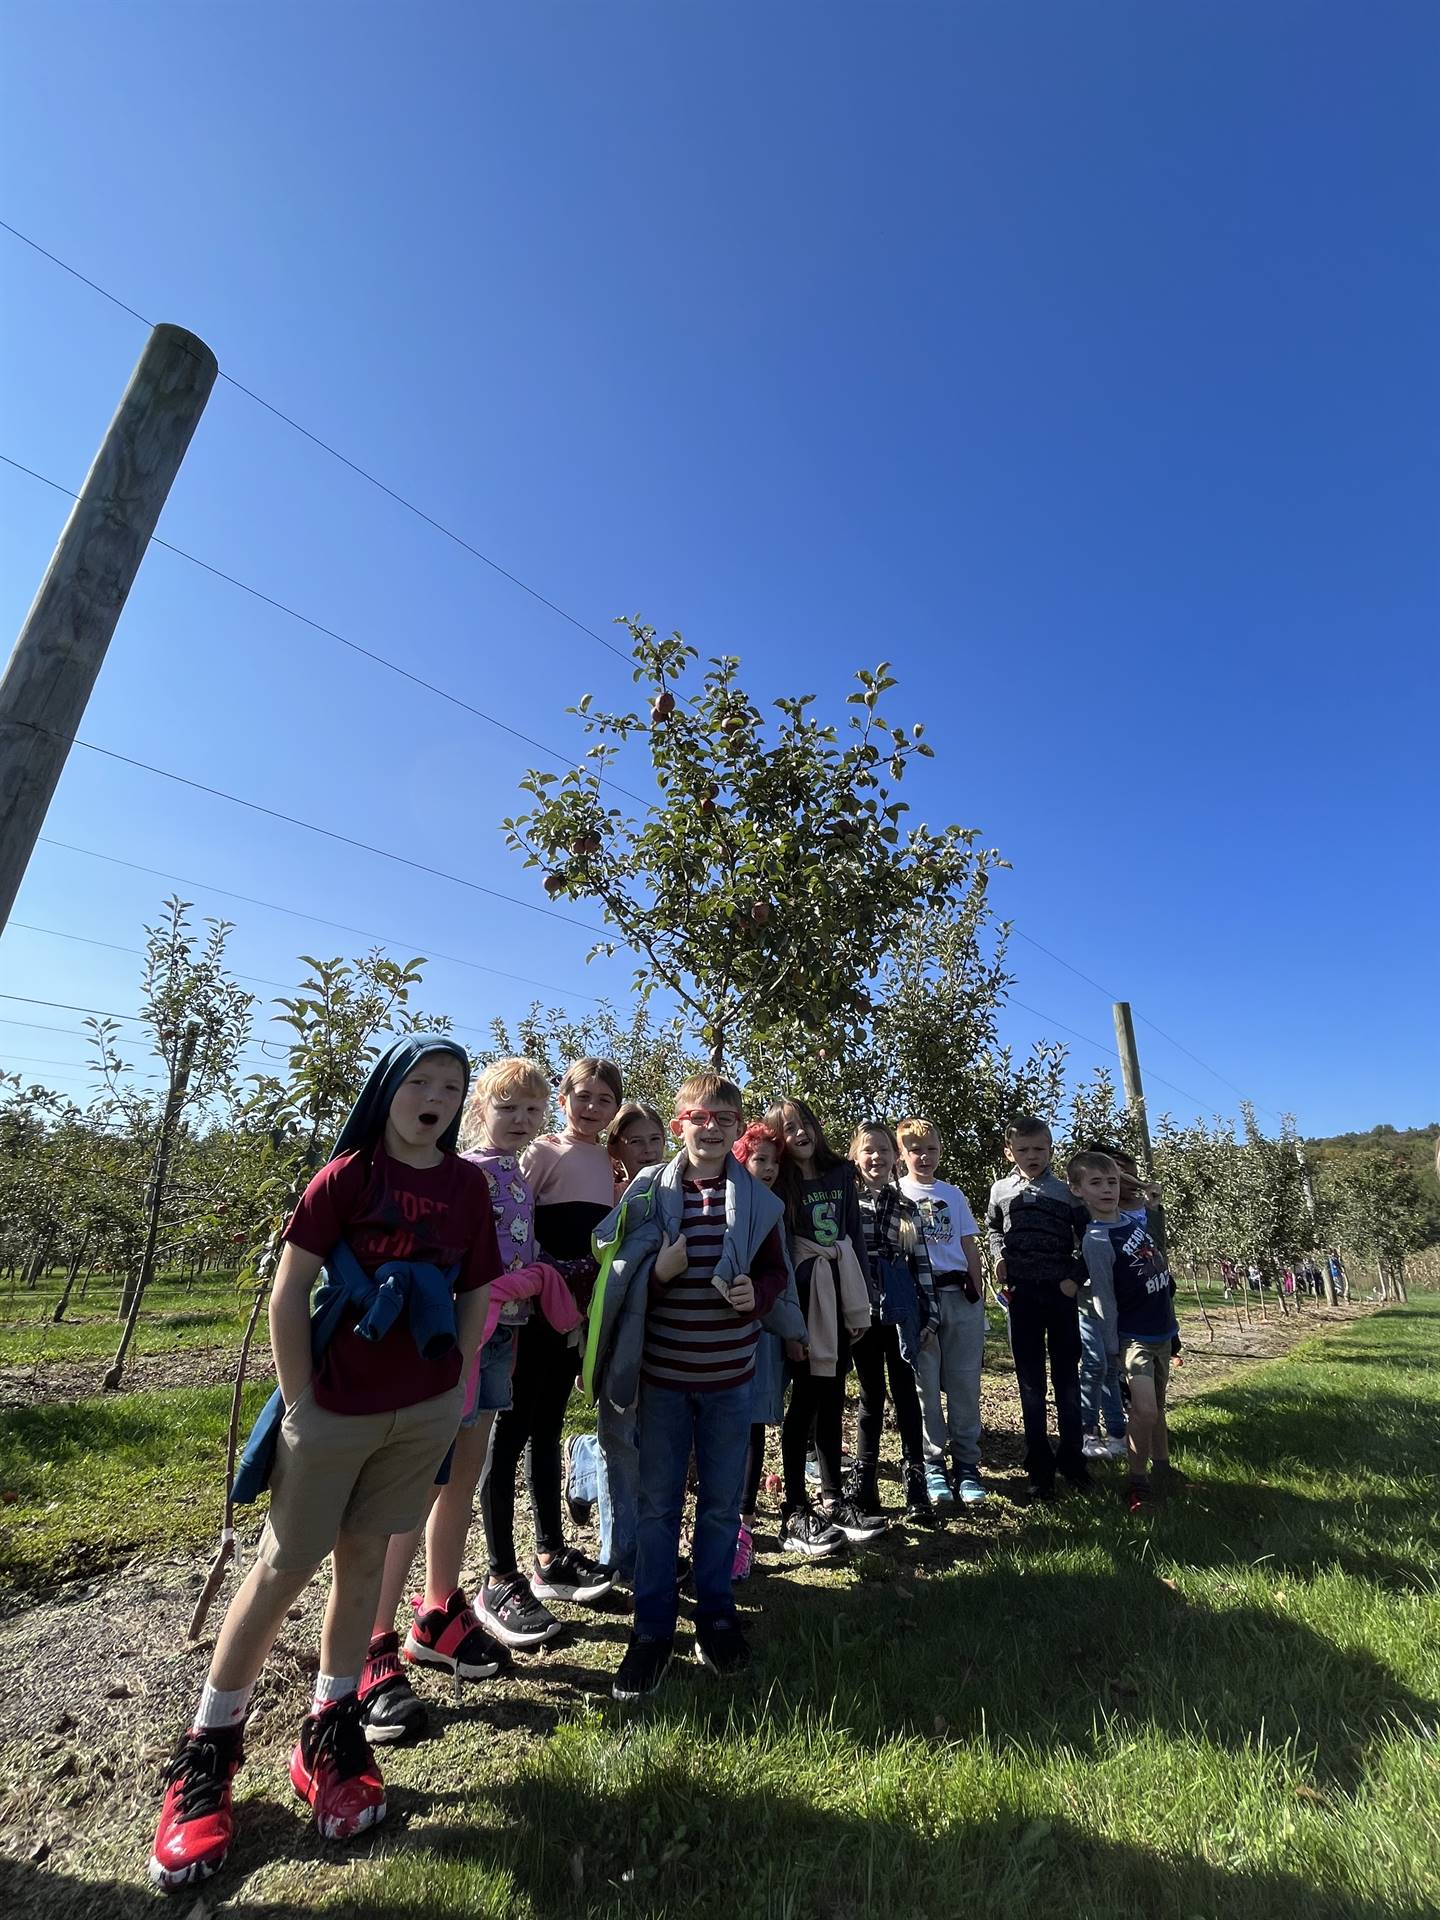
<point x="368" y="1421"/>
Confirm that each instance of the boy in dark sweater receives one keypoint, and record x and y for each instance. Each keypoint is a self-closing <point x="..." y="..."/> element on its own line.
<point x="1132" y="1294"/>
<point x="1035" y="1224"/>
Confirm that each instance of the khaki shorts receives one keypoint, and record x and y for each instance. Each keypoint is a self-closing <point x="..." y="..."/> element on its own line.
<point x="1148" y="1360"/>
<point x="352" y="1473"/>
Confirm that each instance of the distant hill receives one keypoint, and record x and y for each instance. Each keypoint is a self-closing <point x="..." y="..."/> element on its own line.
<point x="1415" y="1145"/>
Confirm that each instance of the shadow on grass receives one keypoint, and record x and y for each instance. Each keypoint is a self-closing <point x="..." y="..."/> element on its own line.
<point x="653" y="1850"/>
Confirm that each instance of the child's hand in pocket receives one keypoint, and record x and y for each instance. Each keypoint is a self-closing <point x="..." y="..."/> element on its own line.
<point x="797" y="1351"/>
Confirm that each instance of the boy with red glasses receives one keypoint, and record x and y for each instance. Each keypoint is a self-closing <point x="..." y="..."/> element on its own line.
<point x="692" y="1259"/>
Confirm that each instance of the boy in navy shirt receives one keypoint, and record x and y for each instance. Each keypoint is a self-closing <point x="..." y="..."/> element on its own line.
<point x="1132" y="1295"/>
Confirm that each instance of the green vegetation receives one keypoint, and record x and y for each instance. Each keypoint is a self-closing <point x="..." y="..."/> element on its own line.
<point x="179" y="1317"/>
<point x="1413" y="1147"/>
<point x="1226" y="1710"/>
<point x="87" y="1482"/>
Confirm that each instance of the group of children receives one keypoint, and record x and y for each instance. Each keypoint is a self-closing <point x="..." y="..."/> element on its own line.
<point x="475" y="1271"/>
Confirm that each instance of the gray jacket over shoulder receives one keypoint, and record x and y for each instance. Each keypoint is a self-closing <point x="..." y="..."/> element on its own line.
<point x="652" y="1209"/>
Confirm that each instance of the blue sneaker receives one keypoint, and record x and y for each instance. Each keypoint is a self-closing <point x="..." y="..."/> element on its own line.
<point x="937" y="1484"/>
<point x="969" y="1485"/>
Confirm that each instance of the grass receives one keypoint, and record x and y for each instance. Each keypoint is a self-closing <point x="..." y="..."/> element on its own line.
<point x="1226" y="1709"/>
<point x="84" y="1483"/>
<point x="1229" y="1709"/>
<point x="175" y="1318"/>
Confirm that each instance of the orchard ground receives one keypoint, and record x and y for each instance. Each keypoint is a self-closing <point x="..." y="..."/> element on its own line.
<point x="1227" y="1708"/>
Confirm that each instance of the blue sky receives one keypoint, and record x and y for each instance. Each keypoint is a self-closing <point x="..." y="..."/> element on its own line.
<point x="1078" y="360"/>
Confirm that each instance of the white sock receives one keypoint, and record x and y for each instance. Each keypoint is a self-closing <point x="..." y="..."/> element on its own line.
<point x="330" y="1687"/>
<point x="219" y="1708"/>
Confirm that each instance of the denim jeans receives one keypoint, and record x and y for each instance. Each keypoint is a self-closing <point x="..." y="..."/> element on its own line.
<point x="717" y="1427"/>
<point x="1099" y="1382"/>
<point x="947" y="1370"/>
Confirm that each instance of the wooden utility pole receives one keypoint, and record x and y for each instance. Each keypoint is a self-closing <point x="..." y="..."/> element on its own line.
<point x="63" y="641"/>
<point x="1130" y="1077"/>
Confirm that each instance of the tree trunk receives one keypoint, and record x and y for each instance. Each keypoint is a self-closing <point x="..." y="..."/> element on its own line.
<point x="225" y="1552"/>
<point x="164" y="1147"/>
<point x="64" y="1300"/>
<point x="1199" y="1297"/>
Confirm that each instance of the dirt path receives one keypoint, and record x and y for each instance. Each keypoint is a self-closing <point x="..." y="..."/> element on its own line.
<point x="99" y="1676"/>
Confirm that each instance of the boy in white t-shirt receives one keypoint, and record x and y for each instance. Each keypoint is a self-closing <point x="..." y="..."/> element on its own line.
<point x="948" y="1368"/>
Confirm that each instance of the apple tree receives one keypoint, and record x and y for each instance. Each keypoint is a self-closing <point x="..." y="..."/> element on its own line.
<point x="773" y="870"/>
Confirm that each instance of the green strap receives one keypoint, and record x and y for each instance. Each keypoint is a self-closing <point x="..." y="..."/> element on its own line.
<point x="605" y="1256"/>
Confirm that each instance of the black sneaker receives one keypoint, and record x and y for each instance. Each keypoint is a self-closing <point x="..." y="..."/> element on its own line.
<point x="570" y="1576"/>
<point x="721" y="1647"/>
<point x="1167" y="1476"/>
<point x="854" y="1524"/>
<point x="1080" y="1478"/>
<point x="918" y="1505"/>
<point x="579" y="1510"/>
<point x="513" y="1614"/>
<point x="642" y="1669"/>
<point x="451" y="1637"/>
<point x="390" y="1708"/>
<point x="803" y="1531"/>
<point x="1040" y="1486"/>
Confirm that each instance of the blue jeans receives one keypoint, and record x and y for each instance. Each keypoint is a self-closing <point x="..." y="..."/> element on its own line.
<point x="717" y="1427"/>
<point x="1099" y="1382"/>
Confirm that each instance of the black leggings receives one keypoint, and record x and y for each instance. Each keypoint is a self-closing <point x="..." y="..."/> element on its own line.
<point x="754" y="1468"/>
<point x="541" y="1386"/>
<point x="877" y="1353"/>
<point x="818" y="1401"/>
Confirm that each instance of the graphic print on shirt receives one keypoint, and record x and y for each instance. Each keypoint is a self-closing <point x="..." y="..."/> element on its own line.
<point x="938" y="1219"/>
<point x="1141" y="1249"/>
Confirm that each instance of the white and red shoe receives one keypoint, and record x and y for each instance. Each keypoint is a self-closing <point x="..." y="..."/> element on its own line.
<point x="196" y="1821"/>
<point x="333" y="1769"/>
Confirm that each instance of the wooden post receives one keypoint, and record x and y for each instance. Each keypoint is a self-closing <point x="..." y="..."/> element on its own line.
<point x="63" y="641"/>
<point x="1130" y="1078"/>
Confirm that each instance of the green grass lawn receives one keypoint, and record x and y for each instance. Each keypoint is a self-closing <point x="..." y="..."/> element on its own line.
<point x="174" y="1318"/>
<point x="1229" y="1709"/>
<point x="84" y="1483"/>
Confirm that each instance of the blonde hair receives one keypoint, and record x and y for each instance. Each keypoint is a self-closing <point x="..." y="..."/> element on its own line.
<point x="703" y="1087"/>
<point x="911" y="1132"/>
<point x="906" y="1230"/>
<point x="501" y="1080"/>
<point x="1090" y="1161"/>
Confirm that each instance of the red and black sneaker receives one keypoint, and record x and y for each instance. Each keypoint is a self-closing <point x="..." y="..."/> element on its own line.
<point x="196" y="1821"/>
<point x="333" y="1769"/>
<point x="390" y="1709"/>
<point x="451" y="1637"/>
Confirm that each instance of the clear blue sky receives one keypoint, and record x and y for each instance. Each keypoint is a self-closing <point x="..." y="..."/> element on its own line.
<point x="1078" y="360"/>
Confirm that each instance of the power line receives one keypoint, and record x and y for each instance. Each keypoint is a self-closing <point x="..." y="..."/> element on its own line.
<point x="515" y="580"/>
<point x="1144" y="1019"/>
<point x="367" y="653"/>
<point x="114" y="946"/>
<point x="345" y="461"/>
<point x="308" y="826"/>
<point x="337" y="926"/>
<point x="1090" y="1041"/>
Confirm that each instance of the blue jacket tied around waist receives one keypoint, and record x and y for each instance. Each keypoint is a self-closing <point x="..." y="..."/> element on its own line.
<point x="425" y="1292"/>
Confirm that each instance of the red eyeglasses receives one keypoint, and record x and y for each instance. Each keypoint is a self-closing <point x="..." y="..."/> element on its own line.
<point x="703" y="1118"/>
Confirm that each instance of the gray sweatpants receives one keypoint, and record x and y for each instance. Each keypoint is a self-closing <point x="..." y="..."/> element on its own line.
<point x="948" y="1372"/>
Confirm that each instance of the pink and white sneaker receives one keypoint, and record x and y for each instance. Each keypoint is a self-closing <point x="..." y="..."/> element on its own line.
<point x="744" y="1554"/>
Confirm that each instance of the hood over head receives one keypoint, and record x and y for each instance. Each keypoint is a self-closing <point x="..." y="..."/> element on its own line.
<point x="366" y="1123"/>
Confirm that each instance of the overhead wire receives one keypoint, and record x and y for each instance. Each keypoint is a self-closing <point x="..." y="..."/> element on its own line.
<point x="421" y="947"/>
<point x="563" y="613"/>
<point x="331" y="633"/>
